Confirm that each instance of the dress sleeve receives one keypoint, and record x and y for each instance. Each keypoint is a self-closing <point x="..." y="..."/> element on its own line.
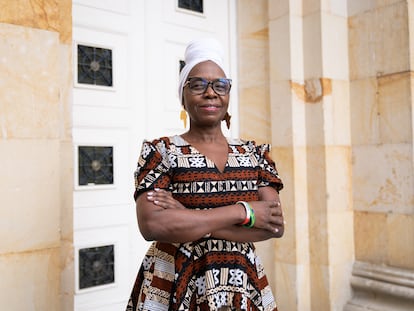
<point x="268" y="175"/>
<point x="153" y="169"/>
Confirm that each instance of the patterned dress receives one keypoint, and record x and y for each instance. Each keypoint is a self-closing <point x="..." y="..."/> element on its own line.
<point x="207" y="274"/>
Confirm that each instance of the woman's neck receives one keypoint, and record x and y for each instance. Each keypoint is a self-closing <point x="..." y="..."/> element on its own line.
<point x="204" y="135"/>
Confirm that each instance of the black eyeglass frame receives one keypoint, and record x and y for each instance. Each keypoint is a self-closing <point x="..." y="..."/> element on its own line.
<point x="207" y="83"/>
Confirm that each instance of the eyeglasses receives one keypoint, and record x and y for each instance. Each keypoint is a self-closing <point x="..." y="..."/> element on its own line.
<point x="199" y="85"/>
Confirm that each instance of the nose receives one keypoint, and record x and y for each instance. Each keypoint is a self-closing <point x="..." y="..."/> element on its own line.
<point x="209" y="89"/>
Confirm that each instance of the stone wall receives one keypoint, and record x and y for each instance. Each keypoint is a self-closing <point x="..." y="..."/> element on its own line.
<point x="382" y="136"/>
<point x="336" y="92"/>
<point x="36" y="155"/>
<point x="381" y="91"/>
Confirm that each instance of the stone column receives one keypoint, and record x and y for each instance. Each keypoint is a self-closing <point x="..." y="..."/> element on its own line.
<point x="309" y="87"/>
<point x="36" y="155"/>
<point x="253" y="87"/>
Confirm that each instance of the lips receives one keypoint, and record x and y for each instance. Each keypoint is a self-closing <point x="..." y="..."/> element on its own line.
<point x="211" y="108"/>
<point x="210" y="104"/>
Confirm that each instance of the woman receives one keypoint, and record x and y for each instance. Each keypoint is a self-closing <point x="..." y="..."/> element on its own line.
<point x="204" y="199"/>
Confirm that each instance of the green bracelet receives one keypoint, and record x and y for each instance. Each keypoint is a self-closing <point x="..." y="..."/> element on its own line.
<point x="252" y="218"/>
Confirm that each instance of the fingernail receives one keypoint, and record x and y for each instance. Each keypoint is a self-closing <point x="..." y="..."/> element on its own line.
<point x="149" y="194"/>
<point x="284" y="222"/>
<point x="157" y="189"/>
<point x="156" y="202"/>
<point x="276" y="230"/>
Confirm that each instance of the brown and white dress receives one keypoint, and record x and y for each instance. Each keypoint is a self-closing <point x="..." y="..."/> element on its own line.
<point x="209" y="273"/>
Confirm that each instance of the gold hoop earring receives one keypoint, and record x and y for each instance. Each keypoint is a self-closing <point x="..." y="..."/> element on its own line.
<point x="227" y="118"/>
<point x="183" y="117"/>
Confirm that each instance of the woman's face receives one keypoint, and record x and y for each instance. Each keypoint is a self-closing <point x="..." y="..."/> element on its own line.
<point x="208" y="108"/>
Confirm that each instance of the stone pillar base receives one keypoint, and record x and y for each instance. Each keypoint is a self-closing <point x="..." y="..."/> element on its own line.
<point x="381" y="288"/>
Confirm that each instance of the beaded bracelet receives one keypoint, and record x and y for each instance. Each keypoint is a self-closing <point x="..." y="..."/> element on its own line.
<point x="250" y="217"/>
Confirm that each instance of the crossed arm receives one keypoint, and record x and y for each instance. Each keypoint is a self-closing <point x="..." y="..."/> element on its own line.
<point x="162" y="218"/>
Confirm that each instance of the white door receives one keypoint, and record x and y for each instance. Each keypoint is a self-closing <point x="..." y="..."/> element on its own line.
<point x="126" y="66"/>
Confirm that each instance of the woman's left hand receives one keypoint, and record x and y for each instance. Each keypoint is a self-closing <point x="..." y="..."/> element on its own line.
<point x="163" y="199"/>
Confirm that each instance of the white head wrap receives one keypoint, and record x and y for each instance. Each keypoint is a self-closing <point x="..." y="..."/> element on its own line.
<point x="198" y="51"/>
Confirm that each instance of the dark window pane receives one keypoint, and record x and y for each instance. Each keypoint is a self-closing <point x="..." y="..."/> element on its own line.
<point x="96" y="266"/>
<point x="95" y="165"/>
<point x="192" y="5"/>
<point x="94" y="66"/>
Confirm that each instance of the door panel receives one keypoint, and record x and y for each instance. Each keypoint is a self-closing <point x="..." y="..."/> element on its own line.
<point x="147" y="39"/>
<point x="171" y="30"/>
